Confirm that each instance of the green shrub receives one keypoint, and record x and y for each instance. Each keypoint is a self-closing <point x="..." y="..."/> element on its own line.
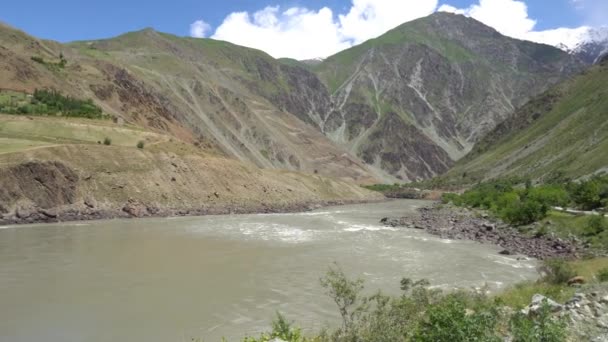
<point x="140" y="144"/>
<point x="524" y="212"/>
<point x="557" y="271"/>
<point x="551" y="195"/>
<point x="596" y="224"/>
<point x="345" y="293"/>
<point x="107" y="141"/>
<point x="449" y="321"/>
<point x="542" y="327"/>
<point x="590" y="194"/>
<point x="450" y="197"/>
<point x="281" y="329"/>
<point x="602" y="275"/>
<point x="66" y="105"/>
<point x="38" y="59"/>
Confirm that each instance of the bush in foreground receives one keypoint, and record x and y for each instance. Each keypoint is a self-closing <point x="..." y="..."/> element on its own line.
<point x="557" y="271"/>
<point x="602" y="275"/>
<point x="420" y="314"/>
<point x="541" y="327"/>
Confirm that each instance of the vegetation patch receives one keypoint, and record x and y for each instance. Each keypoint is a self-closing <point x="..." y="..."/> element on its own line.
<point x="522" y="205"/>
<point x="421" y="313"/>
<point x="53" y="66"/>
<point x="48" y="102"/>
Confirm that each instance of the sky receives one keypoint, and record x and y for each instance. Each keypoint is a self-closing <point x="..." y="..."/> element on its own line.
<point x="297" y="28"/>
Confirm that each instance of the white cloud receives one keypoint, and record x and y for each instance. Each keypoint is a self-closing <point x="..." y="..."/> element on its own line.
<point x="296" y="32"/>
<point x="199" y="29"/>
<point x="302" y="33"/>
<point x="510" y="17"/>
<point x="371" y="18"/>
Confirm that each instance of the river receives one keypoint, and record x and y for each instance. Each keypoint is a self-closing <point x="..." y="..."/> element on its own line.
<point x="175" y="279"/>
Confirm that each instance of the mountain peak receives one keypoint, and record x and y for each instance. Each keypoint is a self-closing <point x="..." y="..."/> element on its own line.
<point x="593" y="45"/>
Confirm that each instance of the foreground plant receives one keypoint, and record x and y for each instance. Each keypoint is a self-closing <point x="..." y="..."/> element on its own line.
<point x="423" y="314"/>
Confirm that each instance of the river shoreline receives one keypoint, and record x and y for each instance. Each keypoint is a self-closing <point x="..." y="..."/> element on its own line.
<point x="462" y="224"/>
<point x="135" y="210"/>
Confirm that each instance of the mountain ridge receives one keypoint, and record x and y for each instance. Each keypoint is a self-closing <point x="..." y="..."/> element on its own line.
<point x="405" y="105"/>
<point x="488" y="76"/>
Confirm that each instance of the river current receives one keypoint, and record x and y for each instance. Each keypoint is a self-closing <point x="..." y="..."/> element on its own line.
<point x="175" y="279"/>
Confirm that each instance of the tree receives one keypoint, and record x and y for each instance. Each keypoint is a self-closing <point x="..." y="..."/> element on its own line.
<point x="345" y="293"/>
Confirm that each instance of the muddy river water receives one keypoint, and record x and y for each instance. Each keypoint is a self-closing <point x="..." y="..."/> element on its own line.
<point x="206" y="277"/>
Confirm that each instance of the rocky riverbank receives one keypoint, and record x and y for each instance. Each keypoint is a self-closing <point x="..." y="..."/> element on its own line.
<point x="586" y="313"/>
<point x="134" y="209"/>
<point x="71" y="183"/>
<point x="462" y="224"/>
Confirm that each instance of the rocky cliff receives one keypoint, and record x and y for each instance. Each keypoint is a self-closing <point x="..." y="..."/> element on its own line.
<point x="415" y="100"/>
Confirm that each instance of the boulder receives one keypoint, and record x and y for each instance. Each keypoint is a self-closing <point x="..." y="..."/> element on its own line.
<point x="537" y="303"/>
<point x="135" y="209"/>
<point x="489" y="227"/>
<point x="576" y="281"/>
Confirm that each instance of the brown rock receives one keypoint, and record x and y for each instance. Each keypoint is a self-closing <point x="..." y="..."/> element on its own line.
<point x="576" y="280"/>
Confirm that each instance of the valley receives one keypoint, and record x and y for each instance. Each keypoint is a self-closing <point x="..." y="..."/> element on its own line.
<point x="218" y="183"/>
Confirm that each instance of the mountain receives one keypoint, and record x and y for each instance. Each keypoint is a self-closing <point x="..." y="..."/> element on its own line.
<point x="238" y="99"/>
<point x="564" y="131"/>
<point x="593" y="45"/>
<point x="406" y="105"/>
<point x="415" y="100"/>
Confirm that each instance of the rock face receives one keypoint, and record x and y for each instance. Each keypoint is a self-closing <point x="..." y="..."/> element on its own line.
<point x="416" y="99"/>
<point x="50" y="183"/>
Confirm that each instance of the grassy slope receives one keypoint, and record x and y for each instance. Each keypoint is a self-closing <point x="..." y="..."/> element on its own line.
<point x="336" y="69"/>
<point x="519" y="295"/>
<point x="569" y="136"/>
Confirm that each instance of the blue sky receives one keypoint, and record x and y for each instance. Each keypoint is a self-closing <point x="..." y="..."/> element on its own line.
<point x="68" y="20"/>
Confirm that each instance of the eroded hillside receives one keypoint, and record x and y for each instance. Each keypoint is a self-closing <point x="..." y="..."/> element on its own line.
<point x="415" y="100"/>
<point x="56" y="169"/>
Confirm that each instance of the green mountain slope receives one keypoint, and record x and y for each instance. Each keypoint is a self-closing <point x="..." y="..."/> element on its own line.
<point x="440" y="83"/>
<point x="561" y="132"/>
